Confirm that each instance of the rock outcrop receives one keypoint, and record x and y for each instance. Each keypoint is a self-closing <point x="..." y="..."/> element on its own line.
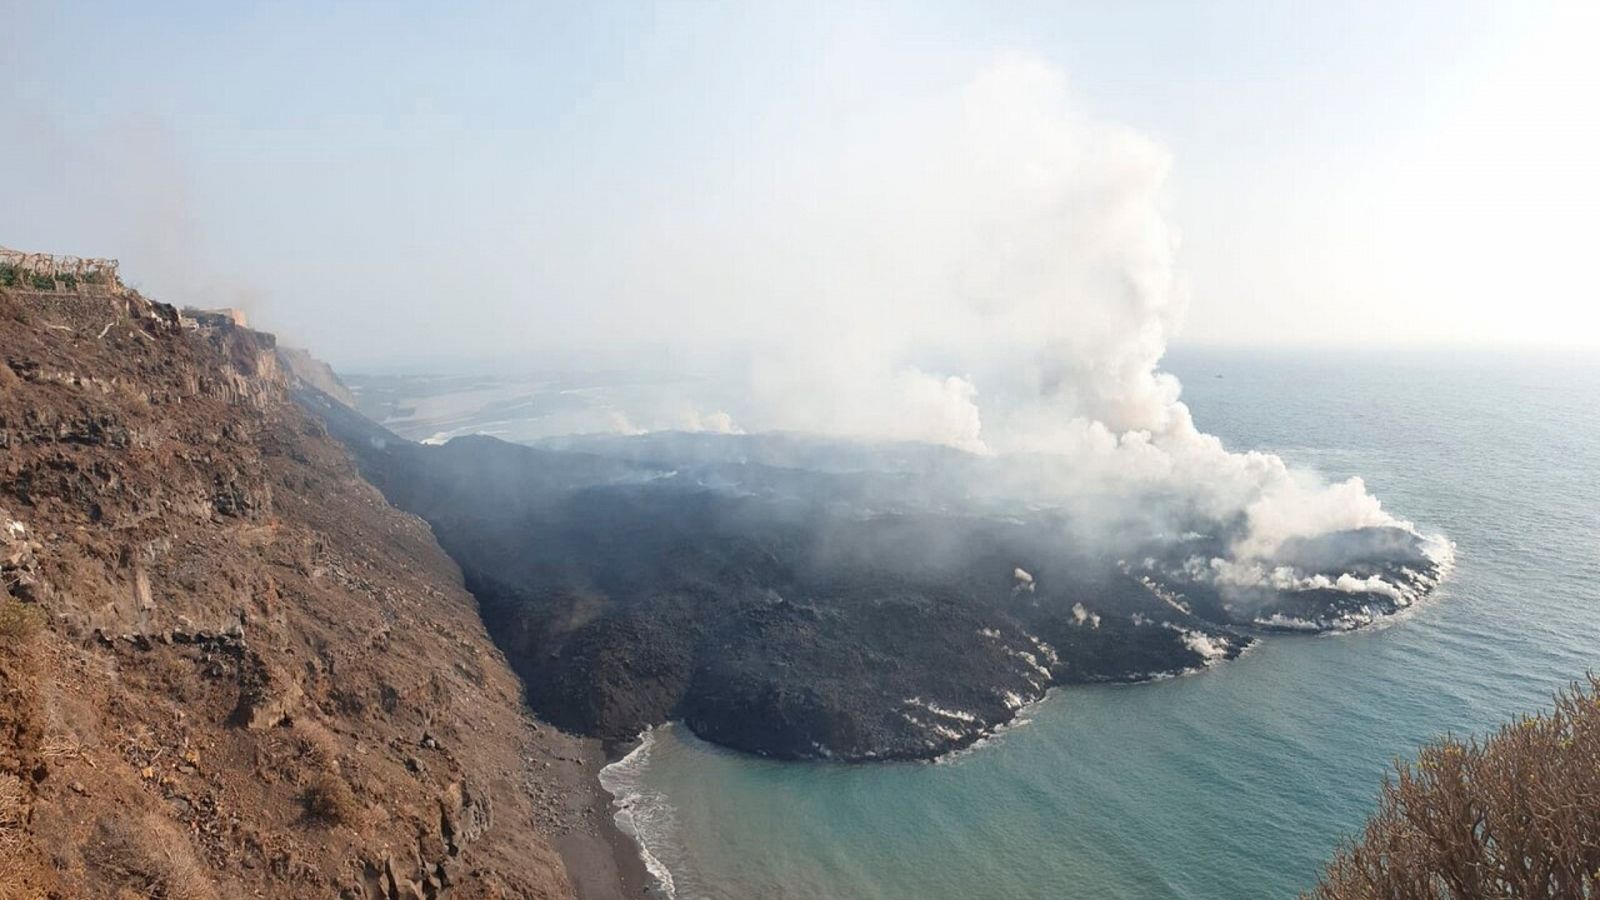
<point x="227" y="666"/>
<point x="312" y="372"/>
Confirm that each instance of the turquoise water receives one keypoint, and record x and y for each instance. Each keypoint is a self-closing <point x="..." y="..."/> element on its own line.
<point x="1237" y="782"/>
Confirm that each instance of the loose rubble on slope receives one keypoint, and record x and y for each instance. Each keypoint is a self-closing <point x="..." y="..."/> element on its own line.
<point x="227" y="666"/>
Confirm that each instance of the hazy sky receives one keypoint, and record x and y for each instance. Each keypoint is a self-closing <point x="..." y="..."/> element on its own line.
<point x="388" y="180"/>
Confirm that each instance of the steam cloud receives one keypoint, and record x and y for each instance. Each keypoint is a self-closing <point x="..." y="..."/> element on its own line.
<point x="988" y="268"/>
<point x="994" y="270"/>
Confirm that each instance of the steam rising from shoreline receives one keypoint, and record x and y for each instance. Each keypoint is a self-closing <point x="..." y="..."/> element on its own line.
<point x="994" y="270"/>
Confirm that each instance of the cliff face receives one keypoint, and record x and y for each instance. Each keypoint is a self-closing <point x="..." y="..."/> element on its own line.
<point x="227" y="666"/>
<point x="316" y="373"/>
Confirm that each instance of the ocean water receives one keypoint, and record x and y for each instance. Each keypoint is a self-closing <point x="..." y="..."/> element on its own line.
<point x="1240" y="781"/>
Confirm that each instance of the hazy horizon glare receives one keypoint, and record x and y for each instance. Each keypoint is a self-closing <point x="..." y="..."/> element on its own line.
<point x="403" y="183"/>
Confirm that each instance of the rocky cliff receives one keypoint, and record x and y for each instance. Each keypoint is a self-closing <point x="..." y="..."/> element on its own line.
<point x="227" y="666"/>
<point x="308" y="370"/>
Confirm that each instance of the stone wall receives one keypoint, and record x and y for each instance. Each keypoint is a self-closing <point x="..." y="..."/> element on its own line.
<point x="44" y="271"/>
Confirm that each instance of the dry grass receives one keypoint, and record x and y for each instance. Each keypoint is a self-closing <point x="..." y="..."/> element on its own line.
<point x="148" y="858"/>
<point x="13" y="815"/>
<point x="18" y="620"/>
<point x="1516" y="816"/>
<point x="13" y="802"/>
<point x="316" y="746"/>
<point x="329" y="801"/>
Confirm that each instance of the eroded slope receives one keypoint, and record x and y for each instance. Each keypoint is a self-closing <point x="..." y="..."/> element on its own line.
<point x="227" y="666"/>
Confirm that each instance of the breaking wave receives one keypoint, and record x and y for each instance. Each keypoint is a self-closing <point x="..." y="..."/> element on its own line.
<point x="641" y="813"/>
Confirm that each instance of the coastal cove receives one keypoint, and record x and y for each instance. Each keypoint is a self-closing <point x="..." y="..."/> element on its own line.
<point x="762" y="451"/>
<point x="1241" y="780"/>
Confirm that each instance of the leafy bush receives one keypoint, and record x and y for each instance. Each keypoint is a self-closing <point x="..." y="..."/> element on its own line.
<point x="9" y="275"/>
<point x="1513" y="817"/>
<point x="19" y="620"/>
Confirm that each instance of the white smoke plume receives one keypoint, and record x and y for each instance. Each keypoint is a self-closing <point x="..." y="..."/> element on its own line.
<point x="998" y="273"/>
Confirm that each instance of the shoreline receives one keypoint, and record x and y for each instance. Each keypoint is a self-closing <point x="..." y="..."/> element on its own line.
<point x="633" y="877"/>
<point x="601" y="860"/>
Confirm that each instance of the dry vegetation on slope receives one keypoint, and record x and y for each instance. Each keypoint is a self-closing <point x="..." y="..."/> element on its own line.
<point x="227" y="666"/>
<point x="1516" y="816"/>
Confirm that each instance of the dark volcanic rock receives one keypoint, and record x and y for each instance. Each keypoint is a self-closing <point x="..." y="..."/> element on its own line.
<point x="816" y="612"/>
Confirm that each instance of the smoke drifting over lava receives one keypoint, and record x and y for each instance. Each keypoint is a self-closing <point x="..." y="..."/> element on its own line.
<point x="994" y="270"/>
<point x="910" y="461"/>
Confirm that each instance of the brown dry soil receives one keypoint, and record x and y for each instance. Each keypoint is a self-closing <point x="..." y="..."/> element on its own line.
<point x="227" y="666"/>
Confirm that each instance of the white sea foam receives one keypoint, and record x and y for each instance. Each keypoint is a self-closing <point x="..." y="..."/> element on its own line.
<point x="641" y="813"/>
<point x="993" y="735"/>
